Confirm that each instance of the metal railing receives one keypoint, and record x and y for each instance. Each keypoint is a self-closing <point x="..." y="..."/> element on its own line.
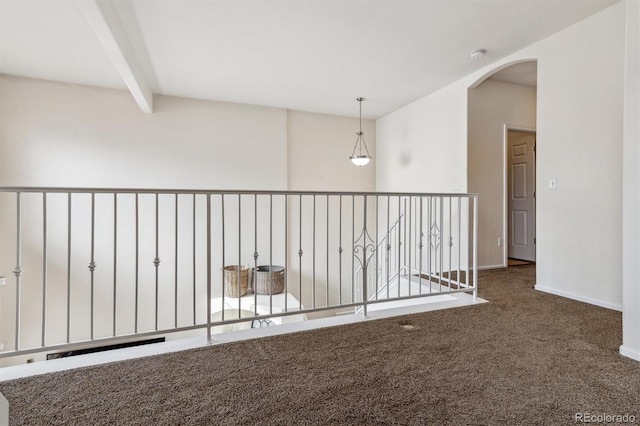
<point x="97" y="264"/>
<point x="411" y="255"/>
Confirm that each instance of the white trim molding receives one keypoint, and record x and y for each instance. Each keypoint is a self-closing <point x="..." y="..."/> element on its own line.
<point x="629" y="353"/>
<point x="579" y="298"/>
<point x="505" y="186"/>
<point x="484" y="268"/>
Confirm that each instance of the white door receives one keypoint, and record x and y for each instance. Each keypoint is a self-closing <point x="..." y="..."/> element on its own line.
<point x="521" y="162"/>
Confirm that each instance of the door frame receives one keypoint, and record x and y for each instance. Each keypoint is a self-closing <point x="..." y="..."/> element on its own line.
<point x="505" y="188"/>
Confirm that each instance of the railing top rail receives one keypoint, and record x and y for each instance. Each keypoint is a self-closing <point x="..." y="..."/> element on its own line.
<point x="81" y="190"/>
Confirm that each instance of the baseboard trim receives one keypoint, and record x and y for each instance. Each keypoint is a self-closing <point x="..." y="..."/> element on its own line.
<point x="483" y="268"/>
<point x="579" y="298"/>
<point x="629" y="353"/>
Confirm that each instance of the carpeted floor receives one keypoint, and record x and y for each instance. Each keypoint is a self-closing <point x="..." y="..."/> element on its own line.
<point x="518" y="262"/>
<point x="525" y="358"/>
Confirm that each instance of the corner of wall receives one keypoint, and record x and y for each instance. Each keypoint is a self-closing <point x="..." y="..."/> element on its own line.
<point x="4" y="411"/>
<point x="631" y="187"/>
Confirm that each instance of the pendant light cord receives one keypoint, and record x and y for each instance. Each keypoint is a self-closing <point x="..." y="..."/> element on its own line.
<point x="360" y="102"/>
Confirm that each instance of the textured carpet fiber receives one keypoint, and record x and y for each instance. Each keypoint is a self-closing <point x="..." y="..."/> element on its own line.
<point x="525" y="358"/>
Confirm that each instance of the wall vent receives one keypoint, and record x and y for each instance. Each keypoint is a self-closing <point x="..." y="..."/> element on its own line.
<point x="94" y="349"/>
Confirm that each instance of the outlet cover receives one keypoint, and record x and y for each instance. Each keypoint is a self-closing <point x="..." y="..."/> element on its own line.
<point x="3" y="280"/>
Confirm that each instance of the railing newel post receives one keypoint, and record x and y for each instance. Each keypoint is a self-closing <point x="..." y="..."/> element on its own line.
<point x="475" y="248"/>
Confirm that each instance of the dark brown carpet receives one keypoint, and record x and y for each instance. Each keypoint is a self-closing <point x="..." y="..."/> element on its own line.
<point x="525" y="358"/>
<point x="518" y="262"/>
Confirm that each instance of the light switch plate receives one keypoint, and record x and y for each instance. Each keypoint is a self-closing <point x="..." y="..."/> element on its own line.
<point x="553" y="183"/>
<point x="3" y="280"/>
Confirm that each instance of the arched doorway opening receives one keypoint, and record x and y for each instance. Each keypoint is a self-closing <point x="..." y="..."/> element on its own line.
<point x="501" y="162"/>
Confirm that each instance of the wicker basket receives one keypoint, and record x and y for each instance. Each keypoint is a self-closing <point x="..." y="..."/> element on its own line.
<point x="231" y="280"/>
<point x="269" y="279"/>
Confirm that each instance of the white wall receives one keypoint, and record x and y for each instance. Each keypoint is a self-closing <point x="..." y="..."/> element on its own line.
<point x="318" y="161"/>
<point x="631" y="188"/>
<point x="418" y="149"/>
<point x="319" y="150"/>
<point x="580" y="143"/>
<point x="492" y="105"/>
<point x="579" y="124"/>
<point x="69" y="135"/>
<point x="55" y="134"/>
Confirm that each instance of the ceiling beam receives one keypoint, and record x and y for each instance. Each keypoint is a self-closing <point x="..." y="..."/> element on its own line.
<point x="103" y="18"/>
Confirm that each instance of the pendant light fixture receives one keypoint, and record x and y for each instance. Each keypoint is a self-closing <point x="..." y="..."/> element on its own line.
<point x="358" y="156"/>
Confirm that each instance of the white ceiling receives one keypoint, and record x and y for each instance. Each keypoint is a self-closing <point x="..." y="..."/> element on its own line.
<point x="309" y="55"/>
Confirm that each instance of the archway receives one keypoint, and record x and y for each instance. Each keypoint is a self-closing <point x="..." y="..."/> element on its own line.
<point x="500" y="101"/>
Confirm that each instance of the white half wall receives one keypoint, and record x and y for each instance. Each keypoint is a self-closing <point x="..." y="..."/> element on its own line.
<point x="631" y="189"/>
<point x="492" y="105"/>
<point x="579" y="130"/>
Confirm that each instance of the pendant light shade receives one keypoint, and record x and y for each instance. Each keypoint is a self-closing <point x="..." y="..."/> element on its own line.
<point x="360" y="160"/>
<point x="360" y="155"/>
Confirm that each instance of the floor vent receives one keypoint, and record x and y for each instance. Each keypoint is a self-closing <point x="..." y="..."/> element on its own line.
<point x="84" y="351"/>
